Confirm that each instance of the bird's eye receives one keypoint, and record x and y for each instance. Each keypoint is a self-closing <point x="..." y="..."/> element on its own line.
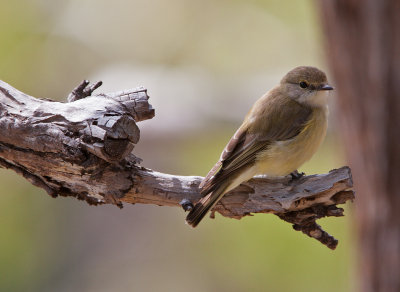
<point x="303" y="84"/>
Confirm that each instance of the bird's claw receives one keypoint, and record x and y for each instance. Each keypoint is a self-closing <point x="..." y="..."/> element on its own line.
<point x="296" y="175"/>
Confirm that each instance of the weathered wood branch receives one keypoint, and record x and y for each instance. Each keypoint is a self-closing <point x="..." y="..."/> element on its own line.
<point x="84" y="149"/>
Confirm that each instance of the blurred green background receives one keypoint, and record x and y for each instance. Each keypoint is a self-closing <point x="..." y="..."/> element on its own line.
<point x="204" y="64"/>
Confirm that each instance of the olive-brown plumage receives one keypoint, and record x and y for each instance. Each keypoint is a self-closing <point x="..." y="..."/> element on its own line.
<point x="281" y="131"/>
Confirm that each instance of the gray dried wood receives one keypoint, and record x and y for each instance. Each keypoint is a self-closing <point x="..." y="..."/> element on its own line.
<point x="83" y="149"/>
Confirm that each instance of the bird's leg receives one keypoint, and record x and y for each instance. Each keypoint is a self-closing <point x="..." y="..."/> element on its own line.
<point x="296" y="175"/>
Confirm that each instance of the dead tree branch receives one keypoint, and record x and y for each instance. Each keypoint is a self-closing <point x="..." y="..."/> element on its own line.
<point x="84" y="149"/>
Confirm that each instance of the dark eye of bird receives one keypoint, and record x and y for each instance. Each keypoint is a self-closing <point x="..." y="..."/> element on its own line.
<point x="303" y="84"/>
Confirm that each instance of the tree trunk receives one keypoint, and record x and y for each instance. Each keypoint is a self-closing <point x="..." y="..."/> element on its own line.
<point x="363" y="45"/>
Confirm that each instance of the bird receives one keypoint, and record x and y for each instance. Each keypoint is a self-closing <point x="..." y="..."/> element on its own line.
<point x="282" y="130"/>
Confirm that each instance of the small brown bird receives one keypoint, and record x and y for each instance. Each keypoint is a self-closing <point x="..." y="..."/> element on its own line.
<point x="282" y="130"/>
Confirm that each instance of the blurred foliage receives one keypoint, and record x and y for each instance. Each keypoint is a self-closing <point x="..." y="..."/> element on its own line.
<point x="47" y="47"/>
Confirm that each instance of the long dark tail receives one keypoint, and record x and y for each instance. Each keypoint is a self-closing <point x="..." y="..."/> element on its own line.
<point x="204" y="205"/>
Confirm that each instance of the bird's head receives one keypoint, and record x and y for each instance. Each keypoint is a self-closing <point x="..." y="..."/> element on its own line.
<point x="306" y="85"/>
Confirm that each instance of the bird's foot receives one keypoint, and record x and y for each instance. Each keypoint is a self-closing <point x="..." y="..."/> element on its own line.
<point x="296" y="175"/>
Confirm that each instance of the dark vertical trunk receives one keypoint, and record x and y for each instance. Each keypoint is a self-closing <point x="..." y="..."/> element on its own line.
<point x="363" y="45"/>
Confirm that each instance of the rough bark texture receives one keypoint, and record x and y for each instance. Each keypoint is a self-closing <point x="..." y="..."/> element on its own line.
<point x="83" y="149"/>
<point x="363" y="45"/>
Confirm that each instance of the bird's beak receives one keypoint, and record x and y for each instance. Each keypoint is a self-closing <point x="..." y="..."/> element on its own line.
<point x="325" y="87"/>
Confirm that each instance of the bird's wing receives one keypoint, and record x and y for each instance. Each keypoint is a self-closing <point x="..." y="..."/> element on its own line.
<point x="242" y="149"/>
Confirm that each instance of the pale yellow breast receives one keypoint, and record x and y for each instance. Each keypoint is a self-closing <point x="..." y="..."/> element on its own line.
<point x="283" y="157"/>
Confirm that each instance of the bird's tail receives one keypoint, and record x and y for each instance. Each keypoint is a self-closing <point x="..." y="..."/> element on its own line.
<point x="204" y="205"/>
